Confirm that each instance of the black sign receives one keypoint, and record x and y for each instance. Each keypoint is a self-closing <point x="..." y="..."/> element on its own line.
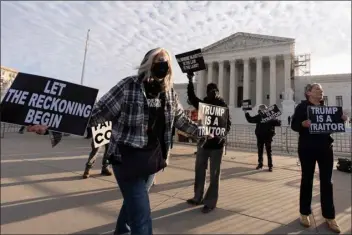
<point x="325" y="119"/>
<point x="191" y="61"/>
<point x="246" y="105"/>
<point x="212" y="120"/>
<point x="270" y="113"/>
<point x="62" y="106"/>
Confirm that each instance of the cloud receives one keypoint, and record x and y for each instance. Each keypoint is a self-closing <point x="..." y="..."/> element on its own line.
<point x="48" y="38"/>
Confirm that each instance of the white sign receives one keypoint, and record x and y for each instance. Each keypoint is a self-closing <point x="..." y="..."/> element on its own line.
<point x="101" y="134"/>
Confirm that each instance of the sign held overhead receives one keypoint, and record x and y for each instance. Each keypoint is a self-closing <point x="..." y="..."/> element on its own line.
<point x="191" y="61"/>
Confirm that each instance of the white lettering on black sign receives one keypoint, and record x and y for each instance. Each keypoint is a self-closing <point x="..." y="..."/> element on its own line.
<point x="102" y="134"/>
<point x="270" y="113"/>
<point x="191" y="61"/>
<point x="325" y="119"/>
<point x="35" y="100"/>
<point x="213" y="120"/>
<point x="246" y="105"/>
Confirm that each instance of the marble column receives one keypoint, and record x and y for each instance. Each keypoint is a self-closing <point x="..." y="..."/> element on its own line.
<point x="272" y="80"/>
<point x="204" y="83"/>
<point x="246" y="81"/>
<point x="210" y="72"/>
<point x="199" y="83"/>
<point x="221" y="78"/>
<point x="287" y="68"/>
<point x="233" y="77"/>
<point x="259" y="81"/>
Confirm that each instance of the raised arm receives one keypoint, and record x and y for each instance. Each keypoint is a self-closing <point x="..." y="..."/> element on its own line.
<point x="182" y="122"/>
<point x="254" y="119"/>
<point x="193" y="99"/>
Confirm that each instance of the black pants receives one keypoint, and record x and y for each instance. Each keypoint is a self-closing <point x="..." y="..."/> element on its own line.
<point x="93" y="156"/>
<point x="261" y="141"/>
<point x="325" y="159"/>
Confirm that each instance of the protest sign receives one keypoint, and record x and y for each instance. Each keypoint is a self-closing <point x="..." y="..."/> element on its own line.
<point x="270" y="113"/>
<point x="325" y="119"/>
<point x="35" y="100"/>
<point x="191" y="61"/>
<point x="212" y="120"/>
<point x="101" y="134"/>
<point x="246" y="105"/>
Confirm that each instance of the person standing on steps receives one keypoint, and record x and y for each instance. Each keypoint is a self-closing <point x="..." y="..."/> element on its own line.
<point x="91" y="160"/>
<point x="264" y="133"/>
<point x="314" y="148"/>
<point x="212" y="150"/>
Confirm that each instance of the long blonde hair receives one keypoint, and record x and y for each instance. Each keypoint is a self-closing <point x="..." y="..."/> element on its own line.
<point x="144" y="69"/>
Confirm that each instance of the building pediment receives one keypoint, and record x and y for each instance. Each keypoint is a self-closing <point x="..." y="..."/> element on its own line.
<point x="240" y="41"/>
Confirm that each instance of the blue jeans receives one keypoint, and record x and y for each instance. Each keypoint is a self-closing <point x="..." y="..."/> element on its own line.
<point x="135" y="214"/>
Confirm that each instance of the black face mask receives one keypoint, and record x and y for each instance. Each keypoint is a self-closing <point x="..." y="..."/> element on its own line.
<point x="212" y="94"/>
<point x="160" y="69"/>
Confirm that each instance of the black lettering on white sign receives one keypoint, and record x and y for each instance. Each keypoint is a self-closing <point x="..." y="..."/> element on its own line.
<point x="325" y="119"/>
<point x="102" y="134"/>
<point x="212" y="120"/>
<point x="191" y="61"/>
<point x="35" y="100"/>
<point x="270" y="113"/>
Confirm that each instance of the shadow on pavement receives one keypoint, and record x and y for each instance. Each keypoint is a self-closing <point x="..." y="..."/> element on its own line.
<point x="20" y="211"/>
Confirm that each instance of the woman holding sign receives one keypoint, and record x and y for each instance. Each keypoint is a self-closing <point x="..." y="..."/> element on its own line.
<point x="314" y="148"/>
<point x="144" y="108"/>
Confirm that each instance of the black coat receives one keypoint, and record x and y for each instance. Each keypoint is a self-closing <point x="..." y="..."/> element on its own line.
<point x="307" y="140"/>
<point x="263" y="130"/>
<point x="214" y="143"/>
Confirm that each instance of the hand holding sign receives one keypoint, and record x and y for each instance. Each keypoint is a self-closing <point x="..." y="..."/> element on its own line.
<point x="39" y="129"/>
<point x="306" y="123"/>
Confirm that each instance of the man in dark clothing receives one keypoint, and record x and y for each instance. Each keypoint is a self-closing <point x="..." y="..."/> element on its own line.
<point x="265" y="133"/>
<point x="212" y="149"/>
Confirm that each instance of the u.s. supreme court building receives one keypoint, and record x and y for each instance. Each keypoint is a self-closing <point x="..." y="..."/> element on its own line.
<point x="266" y="70"/>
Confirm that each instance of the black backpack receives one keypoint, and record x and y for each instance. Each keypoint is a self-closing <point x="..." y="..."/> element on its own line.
<point x="343" y="164"/>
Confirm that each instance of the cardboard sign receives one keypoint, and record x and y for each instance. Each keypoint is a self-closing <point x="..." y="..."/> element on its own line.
<point x="35" y="100"/>
<point x="246" y="105"/>
<point x="212" y="120"/>
<point x="191" y="61"/>
<point x="270" y="113"/>
<point x="101" y="134"/>
<point x="325" y="119"/>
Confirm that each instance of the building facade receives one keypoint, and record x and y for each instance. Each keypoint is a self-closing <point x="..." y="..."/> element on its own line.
<point x="260" y="68"/>
<point x="7" y="77"/>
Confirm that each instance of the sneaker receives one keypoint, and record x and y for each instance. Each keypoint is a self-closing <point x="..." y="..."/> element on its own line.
<point x="333" y="226"/>
<point x="105" y="171"/>
<point x="304" y="220"/>
<point x="86" y="173"/>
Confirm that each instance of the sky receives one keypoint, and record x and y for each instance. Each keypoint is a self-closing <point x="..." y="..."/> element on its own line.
<point x="48" y="38"/>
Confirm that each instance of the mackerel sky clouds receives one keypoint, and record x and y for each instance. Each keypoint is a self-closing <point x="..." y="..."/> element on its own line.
<point x="48" y="38"/>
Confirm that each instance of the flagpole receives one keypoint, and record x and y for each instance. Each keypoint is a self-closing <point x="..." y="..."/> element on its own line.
<point x="84" y="58"/>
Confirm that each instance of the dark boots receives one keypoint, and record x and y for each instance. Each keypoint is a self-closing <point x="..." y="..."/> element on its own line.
<point x="105" y="171"/>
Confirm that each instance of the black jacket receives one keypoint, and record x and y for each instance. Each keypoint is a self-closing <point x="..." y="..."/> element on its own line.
<point x="307" y="140"/>
<point x="263" y="130"/>
<point x="214" y="143"/>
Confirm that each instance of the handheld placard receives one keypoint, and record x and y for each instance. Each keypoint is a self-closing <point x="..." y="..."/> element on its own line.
<point x="191" y="61"/>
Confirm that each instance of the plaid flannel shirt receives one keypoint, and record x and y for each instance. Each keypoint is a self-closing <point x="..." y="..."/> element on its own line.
<point x="126" y="106"/>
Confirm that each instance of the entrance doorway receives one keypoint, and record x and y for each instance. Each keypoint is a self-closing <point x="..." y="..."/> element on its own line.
<point x="239" y="96"/>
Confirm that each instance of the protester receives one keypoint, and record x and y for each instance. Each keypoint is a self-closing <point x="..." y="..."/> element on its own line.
<point x="212" y="149"/>
<point x="144" y="109"/>
<point x="264" y="133"/>
<point x="91" y="160"/>
<point x="314" y="148"/>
